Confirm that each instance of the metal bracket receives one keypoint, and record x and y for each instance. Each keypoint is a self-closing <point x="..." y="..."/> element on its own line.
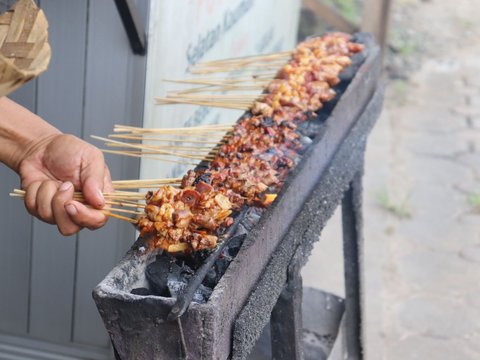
<point x="286" y="319"/>
<point x="133" y="26"/>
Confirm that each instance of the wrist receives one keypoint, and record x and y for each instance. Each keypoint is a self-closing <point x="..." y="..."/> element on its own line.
<point x="22" y="133"/>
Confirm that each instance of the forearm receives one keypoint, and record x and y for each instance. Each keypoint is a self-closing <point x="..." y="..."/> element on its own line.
<point x="20" y="132"/>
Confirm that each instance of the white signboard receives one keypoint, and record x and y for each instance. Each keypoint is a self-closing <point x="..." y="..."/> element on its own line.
<point x="186" y="32"/>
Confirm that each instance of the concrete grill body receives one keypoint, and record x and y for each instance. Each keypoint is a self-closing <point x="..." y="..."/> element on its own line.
<point x="228" y="325"/>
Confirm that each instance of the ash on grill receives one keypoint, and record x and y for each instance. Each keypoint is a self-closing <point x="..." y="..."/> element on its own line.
<point x="169" y="274"/>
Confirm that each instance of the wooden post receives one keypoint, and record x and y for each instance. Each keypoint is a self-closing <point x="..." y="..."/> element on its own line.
<point x="375" y="19"/>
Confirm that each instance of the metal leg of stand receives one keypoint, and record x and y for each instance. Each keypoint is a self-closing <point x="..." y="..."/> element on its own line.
<point x="352" y="246"/>
<point x="286" y="319"/>
<point x="115" y="353"/>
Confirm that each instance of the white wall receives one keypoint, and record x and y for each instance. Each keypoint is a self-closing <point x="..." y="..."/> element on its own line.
<point x="184" y="32"/>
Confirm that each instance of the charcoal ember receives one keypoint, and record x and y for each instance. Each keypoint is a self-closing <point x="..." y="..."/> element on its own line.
<point x="205" y="177"/>
<point x="179" y="278"/>
<point x="358" y="59"/>
<point x="211" y="279"/>
<point x="157" y="274"/>
<point x="202" y="294"/>
<point x="347" y="74"/>
<point x="241" y="229"/>
<point x="176" y="286"/>
<point x="221" y="264"/>
<point x="178" y="281"/>
<point x="218" y="269"/>
<point x="226" y="257"/>
<point x="328" y="107"/>
<point x="192" y="260"/>
<point x="251" y="217"/>
<point x="311" y="129"/>
<point x="234" y="246"/>
<point x="267" y="121"/>
<point x="305" y="142"/>
<point x="202" y="166"/>
<point x="141" y="291"/>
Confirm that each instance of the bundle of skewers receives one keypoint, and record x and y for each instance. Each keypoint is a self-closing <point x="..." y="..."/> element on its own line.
<point x="121" y="201"/>
<point x="245" y="163"/>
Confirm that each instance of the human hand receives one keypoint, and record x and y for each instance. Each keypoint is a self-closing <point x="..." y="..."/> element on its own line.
<point x="52" y="169"/>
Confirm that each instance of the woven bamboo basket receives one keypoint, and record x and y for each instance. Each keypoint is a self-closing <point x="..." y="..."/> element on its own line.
<point x="24" y="48"/>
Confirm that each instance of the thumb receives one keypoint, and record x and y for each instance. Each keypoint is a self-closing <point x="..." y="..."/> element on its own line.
<point x="92" y="179"/>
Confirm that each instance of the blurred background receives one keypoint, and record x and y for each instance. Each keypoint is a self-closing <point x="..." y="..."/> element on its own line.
<point x="421" y="185"/>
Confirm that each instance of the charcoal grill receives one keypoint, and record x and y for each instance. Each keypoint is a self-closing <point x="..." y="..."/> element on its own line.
<point x="263" y="284"/>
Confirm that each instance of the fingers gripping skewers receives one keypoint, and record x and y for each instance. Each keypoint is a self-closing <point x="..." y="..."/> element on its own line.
<point x="119" y="201"/>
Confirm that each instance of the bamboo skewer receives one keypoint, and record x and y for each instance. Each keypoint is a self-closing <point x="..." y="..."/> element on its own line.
<point x="142" y="137"/>
<point x="118" y="152"/>
<point x="248" y="58"/>
<point x="214" y="98"/>
<point x="260" y="62"/>
<point x="117" y="195"/>
<point x="146" y="184"/>
<point x="120" y="217"/>
<point x="224" y="69"/>
<point x="185" y="149"/>
<point x="235" y="106"/>
<point x="222" y="88"/>
<point x="185" y="138"/>
<point x="144" y="147"/>
<point x="109" y="211"/>
<point x="142" y="152"/>
<point x="126" y="204"/>
<point x="227" y="80"/>
<point x="180" y="130"/>
<point x="125" y="211"/>
<point x="220" y="97"/>
<point x="148" y="181"/>
<point x="224" y="82"/>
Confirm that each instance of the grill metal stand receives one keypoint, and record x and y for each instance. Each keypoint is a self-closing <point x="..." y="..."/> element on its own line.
<point x="352" y="246"/>
<point x="286" y="318"/>
<point x="286" y="326"/>
<point x="340" y="184"/>
<point x="263" y="283"/>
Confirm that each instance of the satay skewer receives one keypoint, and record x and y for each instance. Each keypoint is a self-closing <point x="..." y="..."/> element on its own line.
<point x="108" y="211"/>
<point x="151" y="149"/>
<point x="219" y="88"/>
<point x="149" y="181"/>
<point x="224" y="81"/>
<point x="120" y="217"/>
<point x="125" y="204"/>
<point x="217" y="96"/>
<point x="172" y="149"/>
<point x="203" y="128"/>
<point x="146" y="138"/>
<point x="146" y="152"/>
<point x="225" y="105"/>
<point x="115" y="196"/>
<point x="262" y="57"/>
<point x="161" y="158"/>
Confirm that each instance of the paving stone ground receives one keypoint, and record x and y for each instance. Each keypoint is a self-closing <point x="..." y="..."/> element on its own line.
<point x="422" y="199"/>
